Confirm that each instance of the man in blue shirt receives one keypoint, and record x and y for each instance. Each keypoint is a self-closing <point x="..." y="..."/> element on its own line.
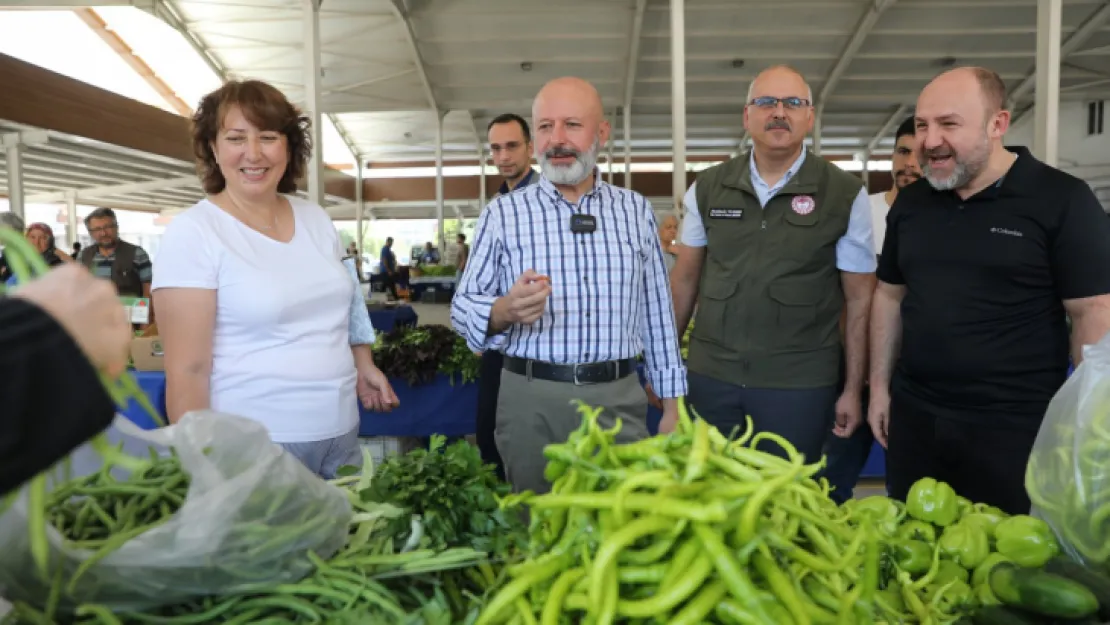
<point x="389" y="268"/>
<point x="510" y="146"/>
<point x="567" y="279"/>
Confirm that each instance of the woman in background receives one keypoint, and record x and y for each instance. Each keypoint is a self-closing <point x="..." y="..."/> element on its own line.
<point x="258" y="316"/>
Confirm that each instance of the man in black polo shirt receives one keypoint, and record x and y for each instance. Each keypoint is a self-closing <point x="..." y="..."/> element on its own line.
<point x="983" y="262"/>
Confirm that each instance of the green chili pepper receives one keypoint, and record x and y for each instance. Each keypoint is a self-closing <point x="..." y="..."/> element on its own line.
<point x="1026" y="540"/>
<point x="932" y="501"/>
<point x="966" y="543"/>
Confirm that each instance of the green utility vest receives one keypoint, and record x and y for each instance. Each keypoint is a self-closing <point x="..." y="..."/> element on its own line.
<point x="770" y="296"/>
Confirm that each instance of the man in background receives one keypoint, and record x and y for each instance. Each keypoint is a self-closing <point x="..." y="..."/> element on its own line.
<point x="125" y="265"/>
<point x="510" y="145"/>
<point x="668" y="234"/>
<point x="461" y="256"/>
<point x="847" y="456"/>
<point x="389" y="268"/>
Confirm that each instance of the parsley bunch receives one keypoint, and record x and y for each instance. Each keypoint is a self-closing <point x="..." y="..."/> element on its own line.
<point x="454" y="493"/>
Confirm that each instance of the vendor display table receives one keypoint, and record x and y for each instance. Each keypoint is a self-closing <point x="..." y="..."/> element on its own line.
<point x="435" y="408"/>
<point x="385" y="319"/>
<point x="417" y="286"/>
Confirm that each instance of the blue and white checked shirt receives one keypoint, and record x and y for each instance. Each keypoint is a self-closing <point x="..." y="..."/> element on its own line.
<point x="610" y="295"/>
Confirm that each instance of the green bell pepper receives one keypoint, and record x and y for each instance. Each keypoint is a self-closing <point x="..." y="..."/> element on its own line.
<point x="883" y="512"/>
<point x="984" y="520"/>
<point x="1025" y="540"/>
<point x="966" y="543"/>
<point x="982" y="572"/>
<point x="891" y="598"/>
<point x="912" y="556"/>
<point x="985" y="596"/>
<point x="932" y="501"/>
<point x="948" y="570"/>
<point x="918" y="530"/>
<point x="963" y="505"/>
<point x="954" y="594"/>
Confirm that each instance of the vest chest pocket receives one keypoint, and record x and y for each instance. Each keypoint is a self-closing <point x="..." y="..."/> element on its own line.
<point x="796" y="317"/>
<point x="712" y="317"/>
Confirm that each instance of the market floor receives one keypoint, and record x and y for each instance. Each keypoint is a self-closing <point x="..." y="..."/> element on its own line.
<point x="868" y="487"/>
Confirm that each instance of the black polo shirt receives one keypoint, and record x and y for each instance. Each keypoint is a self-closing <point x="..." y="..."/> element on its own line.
<point x="984" y="333"/>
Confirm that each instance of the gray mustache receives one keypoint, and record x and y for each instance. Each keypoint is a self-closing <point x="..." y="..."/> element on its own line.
<point x="560" y="152"/>
<point x="777" y="124"/>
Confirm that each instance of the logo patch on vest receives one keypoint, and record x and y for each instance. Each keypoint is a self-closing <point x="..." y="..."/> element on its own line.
<point x="803" y="204"/>
<point x="726" y="213"/>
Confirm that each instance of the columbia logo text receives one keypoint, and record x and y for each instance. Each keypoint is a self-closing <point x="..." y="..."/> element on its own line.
<point x="1008" y="232"/>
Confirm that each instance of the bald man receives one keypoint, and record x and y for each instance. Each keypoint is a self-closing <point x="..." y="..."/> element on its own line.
<point x="668" y="235"/>
<point x="567" y="280"/>
<point x="774" y="245"/>
<point x="983" y="262"/>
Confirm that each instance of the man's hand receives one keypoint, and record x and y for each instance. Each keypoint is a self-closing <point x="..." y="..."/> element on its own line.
<point x="524" y="303"/>
<point x="848" y="414"/>
<point x="670" y="416"/>
<point x="653" y="399"/>
<point x="878" y="414"/>
<point x="88" y="309"/>
<point x="374" y="391"/>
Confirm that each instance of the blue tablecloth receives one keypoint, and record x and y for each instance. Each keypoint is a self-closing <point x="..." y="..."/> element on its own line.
<point x="435" y="408"/>
<point x="385" y="319"/>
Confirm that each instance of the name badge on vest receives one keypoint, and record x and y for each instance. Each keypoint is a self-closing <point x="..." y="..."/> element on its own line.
<point x="726" y="213"/>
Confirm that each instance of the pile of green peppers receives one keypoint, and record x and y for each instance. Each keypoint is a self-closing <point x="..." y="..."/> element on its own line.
<point x="940" y="548"/>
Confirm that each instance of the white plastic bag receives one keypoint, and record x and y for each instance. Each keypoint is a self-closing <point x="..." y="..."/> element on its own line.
<point x="251" y="514"/>
<point x="1068" y="475"/>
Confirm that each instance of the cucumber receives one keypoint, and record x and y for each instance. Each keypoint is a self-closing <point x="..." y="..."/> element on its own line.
<point x="1095" y="582"/>
<point x="1042" y="593"/>
<point x="1001" y="615"/>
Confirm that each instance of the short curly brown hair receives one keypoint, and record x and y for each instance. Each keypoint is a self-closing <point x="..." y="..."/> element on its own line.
<point x="267" y="109"/>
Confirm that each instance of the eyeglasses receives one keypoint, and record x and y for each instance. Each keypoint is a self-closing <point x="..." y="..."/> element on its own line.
<point x="768" y="102"/>
<point x="100" y="229"/>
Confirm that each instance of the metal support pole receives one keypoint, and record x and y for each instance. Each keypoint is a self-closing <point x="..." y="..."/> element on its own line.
<point x="360" y="205"/>
<point x="865" y="172"/>
<point x="610" y="160"/>
<point x="439" y="181"/>
<point x="71" y="217"/>
<point x="678" y="101"/>
<point x="15" y="176"/>
<point x="312" y="99"/>
<point x="1046" y="100"/>
<point x="817" y="137"/>
<point x="626" y="117"/>
<point x="481" y="177"/>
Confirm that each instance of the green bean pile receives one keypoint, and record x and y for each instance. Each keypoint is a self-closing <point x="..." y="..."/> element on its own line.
<point x="689" y="528"/>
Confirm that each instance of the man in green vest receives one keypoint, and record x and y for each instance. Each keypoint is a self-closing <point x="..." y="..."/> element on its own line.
<point x="775" y="244"/>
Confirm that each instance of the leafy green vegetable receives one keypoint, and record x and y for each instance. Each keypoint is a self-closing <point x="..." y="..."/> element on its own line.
<point x="417" y="354"/>
<point x="455" y="495"/>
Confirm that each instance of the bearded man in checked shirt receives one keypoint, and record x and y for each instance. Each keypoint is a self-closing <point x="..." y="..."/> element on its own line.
<point x="567" y="278"/>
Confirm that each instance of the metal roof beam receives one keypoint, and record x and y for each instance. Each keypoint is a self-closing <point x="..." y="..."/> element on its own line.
<point x="866" y="23"/>
<point x="410" y="35"/>
<point x="1089" y="27"/>
<point x="890" y="124"/>
<point x="633" y="54"/>
<point x="117" y="189"/>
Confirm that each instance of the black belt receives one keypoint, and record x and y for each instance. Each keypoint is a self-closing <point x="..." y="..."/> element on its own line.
<point x="592" y="373"/>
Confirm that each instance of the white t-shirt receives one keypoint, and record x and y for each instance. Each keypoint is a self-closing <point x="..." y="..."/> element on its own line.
<point x="879" y="210"/>
<point x="281" y="353"/>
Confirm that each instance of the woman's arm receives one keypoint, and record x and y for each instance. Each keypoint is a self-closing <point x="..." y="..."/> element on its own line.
<point x="186" y="322"/>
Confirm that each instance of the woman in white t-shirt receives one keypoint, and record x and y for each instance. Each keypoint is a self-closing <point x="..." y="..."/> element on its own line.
<point x="258" y="316"/>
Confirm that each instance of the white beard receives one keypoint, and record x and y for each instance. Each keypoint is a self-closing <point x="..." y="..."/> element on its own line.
<point x="574" y="173"/>
<point x="964" y="170"/>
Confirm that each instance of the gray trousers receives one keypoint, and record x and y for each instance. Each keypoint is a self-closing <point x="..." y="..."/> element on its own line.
<point x="534" y="413"/>
<point x="801" y="416"/>
<point x="325" y="457"/>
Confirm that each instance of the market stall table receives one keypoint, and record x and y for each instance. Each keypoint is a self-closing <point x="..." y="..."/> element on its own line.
<point x="385" y="318"/>
<point x="439" y="407"/>
<point x="417" y="286"/>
